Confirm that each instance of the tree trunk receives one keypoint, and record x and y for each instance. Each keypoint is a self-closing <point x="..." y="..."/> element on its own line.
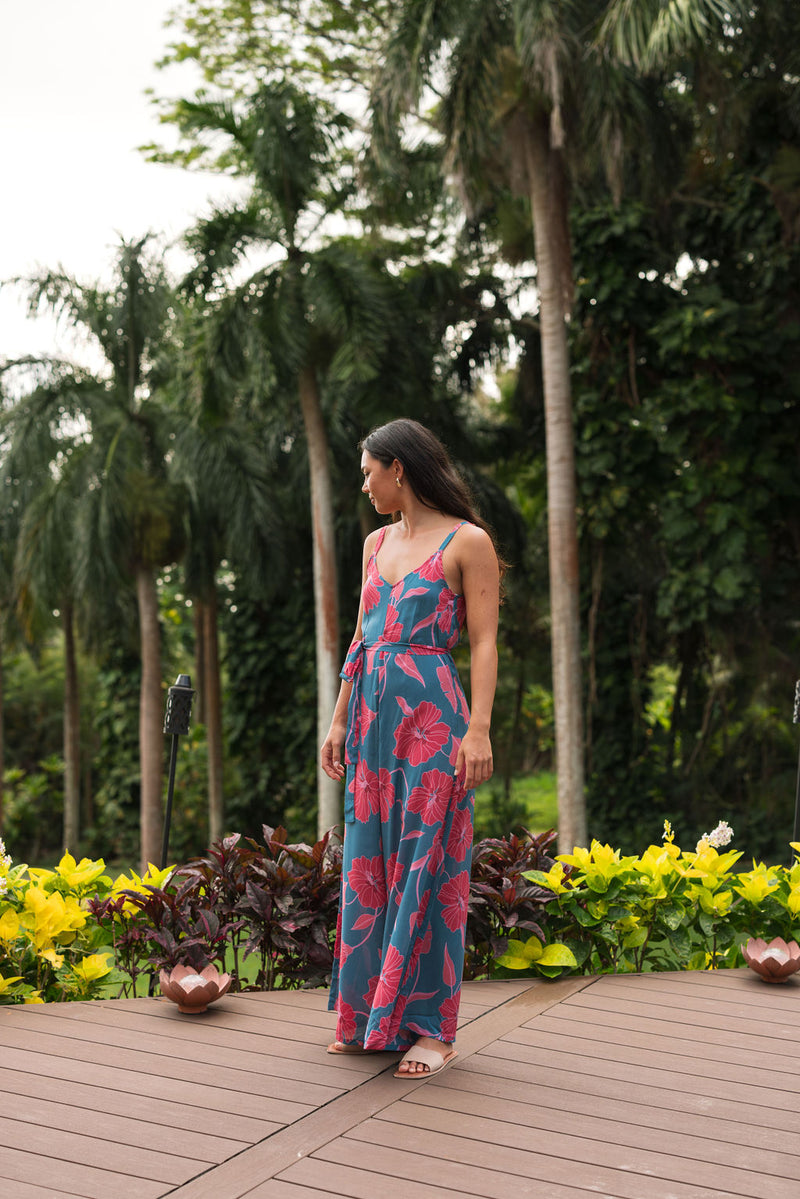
<point x="2" y="734"/>
<point x="210" y="683"/>
<point x="545" y="172"/>
<point x="151" y="736"/>
<point x="200" y="615"/>
<point x="72" y="737"/>
<point x="326" y="595"/>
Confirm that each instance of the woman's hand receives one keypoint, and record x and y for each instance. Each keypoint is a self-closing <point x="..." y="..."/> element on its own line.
<point x="331" y="752"/>
<point x="475" y="758"/>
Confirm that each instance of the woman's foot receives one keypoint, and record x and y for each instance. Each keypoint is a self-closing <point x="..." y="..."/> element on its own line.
<point x="427" y="1056"/>
<point x="346" y="1047"/>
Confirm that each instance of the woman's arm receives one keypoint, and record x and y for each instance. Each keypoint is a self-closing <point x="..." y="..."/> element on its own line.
<point x="331" y="752"/>
<point x="480" y="585"/>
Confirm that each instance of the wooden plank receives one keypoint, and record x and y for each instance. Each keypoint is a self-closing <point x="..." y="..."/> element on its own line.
<point x="701" y="1013"/>
<point x="362" y="1172"/>
<point x="621" y="1082"/>
<point x="81" y="1182"/>
<point x="522" y="1146"/>
<point x="775" y="1006"/>
<point x="272" y="1189"/>
<point x="637" y="1127"/>
<point x="29" y="1190"/>
<point x="167" y="1113"/>
<point x="678" y="1111"/>
<point x="86" y="1150"/>
<point x="202" y="1092"/>
<point x="526" y="1062"/>
<point x="567" y="1022"/>
<point x="495" y="992"/>
<point x="111" y="1126"/>
<point x="315" y="999"/>
<point x="299" y="1139"/>
<point x="228" y="1027"/>
<point x="741" y="985"/>
<point x="267" y="1081"/>
<point x="655" y="1058"/>
<point x="275" y="1057"/>
<point x="238" y="1013"/>
<point x="518" y="1172"/>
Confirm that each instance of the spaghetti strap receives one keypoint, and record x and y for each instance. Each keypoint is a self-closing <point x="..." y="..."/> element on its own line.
<point x="450" y="536"/>
<point x="379" y="542"/>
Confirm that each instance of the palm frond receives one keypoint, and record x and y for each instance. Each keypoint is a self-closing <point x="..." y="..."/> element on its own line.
<point x="349" y="300"/>
<point x="422" y="29"/>
<point x="220" y="241"/>
<point x="648" y="33"/>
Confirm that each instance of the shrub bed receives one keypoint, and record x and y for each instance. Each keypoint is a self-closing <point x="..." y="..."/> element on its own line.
<point x="667" y="909"/>
<point x="266" y="913"/>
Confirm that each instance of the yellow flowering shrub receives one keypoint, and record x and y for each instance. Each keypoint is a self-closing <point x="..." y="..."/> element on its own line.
<point x="668" y="909"/>
<point x="50" y="946"/>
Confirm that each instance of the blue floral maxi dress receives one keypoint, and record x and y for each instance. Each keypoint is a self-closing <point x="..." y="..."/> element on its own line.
<point x="408" y="820"/>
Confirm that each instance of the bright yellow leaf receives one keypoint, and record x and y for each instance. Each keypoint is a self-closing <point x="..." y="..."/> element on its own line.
<point x="154" y="877"/>
<point x="79" y="874"/>
<point x="92" y="967"/>
<point x="717" y="904"/>
<point x="580" y="858"/>
<point x="756" y="884"/>
<point x="553" y="879"/>
<point x="557" y="955"/>
<point x="39" y="874"/>
<point x="9" y="925"/>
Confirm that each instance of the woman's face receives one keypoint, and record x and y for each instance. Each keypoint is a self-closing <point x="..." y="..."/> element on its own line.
<point x="380" y="483"/>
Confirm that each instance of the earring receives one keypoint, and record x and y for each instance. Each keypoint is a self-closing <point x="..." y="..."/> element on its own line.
<point x="398" y="481"/>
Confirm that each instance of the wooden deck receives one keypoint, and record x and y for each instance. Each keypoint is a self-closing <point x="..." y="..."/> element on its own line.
<point x="661" y="1086"/>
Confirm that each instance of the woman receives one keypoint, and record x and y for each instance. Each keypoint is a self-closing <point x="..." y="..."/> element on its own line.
<point x="414" y="753"/>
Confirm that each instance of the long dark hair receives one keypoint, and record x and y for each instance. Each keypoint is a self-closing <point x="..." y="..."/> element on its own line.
<point x="427" y="469"/>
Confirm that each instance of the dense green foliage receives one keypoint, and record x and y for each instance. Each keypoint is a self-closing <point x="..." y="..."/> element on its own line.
<point x="662" y="910"/>
<point x="686" y="393"/>
<point x="264" y="909"/>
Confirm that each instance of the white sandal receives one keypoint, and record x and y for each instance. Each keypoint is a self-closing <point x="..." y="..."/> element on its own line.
<point x="431" y="1058"/>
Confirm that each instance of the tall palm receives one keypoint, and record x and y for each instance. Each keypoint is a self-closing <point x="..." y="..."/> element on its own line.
<point x="43" y="464"/>
<point x="535" y="92"/>
<point x="44" y="579"/>
<point x="220" y="461"/>
<point x="126" y="519"/>
<point x="315" y="313"/>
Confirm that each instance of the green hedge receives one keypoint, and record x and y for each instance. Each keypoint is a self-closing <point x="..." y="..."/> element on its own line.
<point x="664" y="910"/>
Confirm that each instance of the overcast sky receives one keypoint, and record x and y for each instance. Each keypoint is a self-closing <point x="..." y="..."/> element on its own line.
<point x="72" y="112"/>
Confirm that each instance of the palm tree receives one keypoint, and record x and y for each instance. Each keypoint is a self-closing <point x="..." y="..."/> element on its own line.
<point x="221" y="463"/>
<point x="535" y="93"/>
<point x="44" y="483"/>
<point x="125" y="519"/>
<point x="315" y="313"/>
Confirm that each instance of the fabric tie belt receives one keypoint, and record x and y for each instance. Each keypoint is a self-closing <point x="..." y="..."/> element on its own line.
<point x="353" y="671"/>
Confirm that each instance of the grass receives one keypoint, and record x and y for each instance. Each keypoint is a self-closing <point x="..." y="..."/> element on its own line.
<point x="532" y="803"/>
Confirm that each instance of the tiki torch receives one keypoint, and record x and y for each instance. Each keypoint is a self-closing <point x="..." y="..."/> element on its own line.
<point x="176" y="724"/>
<point x="796" y="720"/>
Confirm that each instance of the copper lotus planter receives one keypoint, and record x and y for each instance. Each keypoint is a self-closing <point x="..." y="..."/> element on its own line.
<point x="773" y="960"/>
<point x="193" y="990"/>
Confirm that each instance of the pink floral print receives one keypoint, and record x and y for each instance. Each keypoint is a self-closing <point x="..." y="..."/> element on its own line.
<point x="408" y="820"/>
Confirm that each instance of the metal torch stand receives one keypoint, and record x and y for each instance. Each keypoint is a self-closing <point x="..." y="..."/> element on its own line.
<point x="796" y="720"/>
<point x="176" y="724"/>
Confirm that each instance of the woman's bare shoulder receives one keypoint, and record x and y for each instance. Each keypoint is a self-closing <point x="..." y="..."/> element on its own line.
<point x="474" y="541"/>
<point x="370" y="543"/>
